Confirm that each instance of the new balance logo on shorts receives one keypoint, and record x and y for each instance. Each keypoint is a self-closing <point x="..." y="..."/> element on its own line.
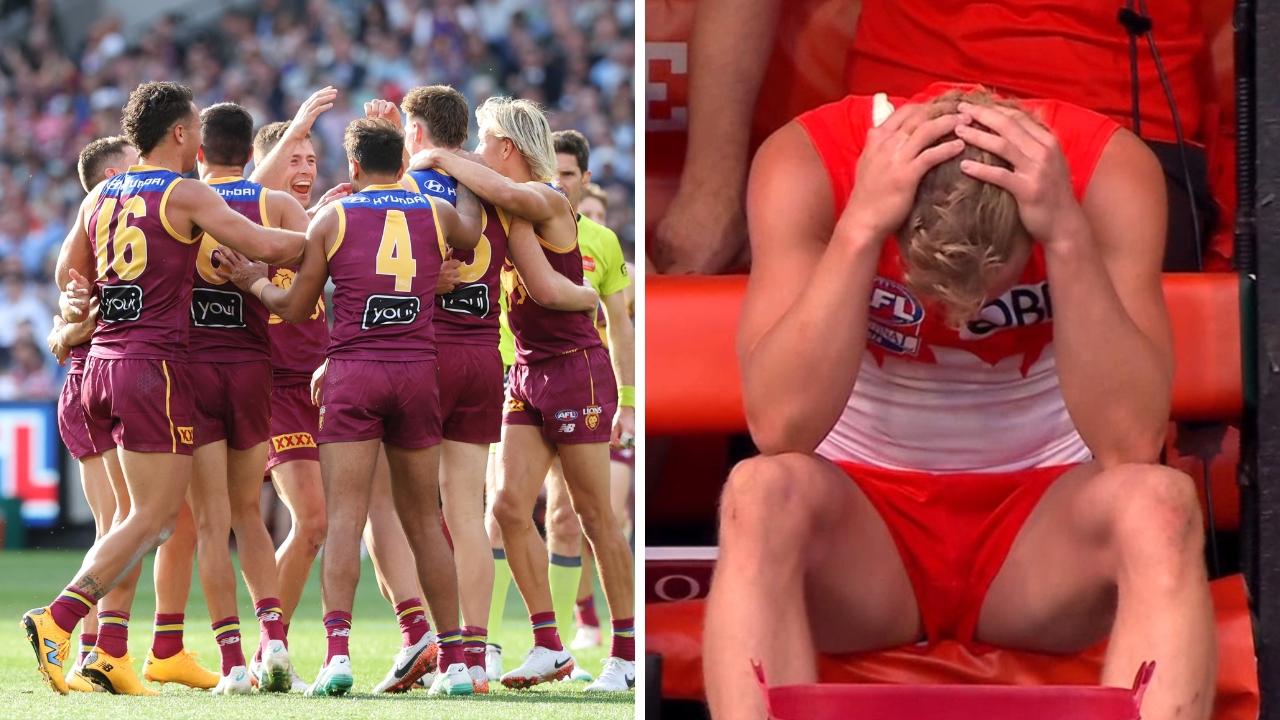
<point x="121" y="303"/>
<point x="292" y="441"/>
<point x="382" y="310"/>
<point x="216" y="308"/>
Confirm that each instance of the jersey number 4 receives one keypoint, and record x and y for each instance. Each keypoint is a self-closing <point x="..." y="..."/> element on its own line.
<point x="395" y="252"/>
<point x="125" y="251"/>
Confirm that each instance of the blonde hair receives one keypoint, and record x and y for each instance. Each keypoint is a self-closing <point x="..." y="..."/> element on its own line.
<point x="592" y="190"/>
<point x="524" y="124"/>
<point x="960" y="230"/>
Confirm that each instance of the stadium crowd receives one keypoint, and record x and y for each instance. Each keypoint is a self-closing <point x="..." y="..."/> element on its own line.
<point x="57" y="93"/>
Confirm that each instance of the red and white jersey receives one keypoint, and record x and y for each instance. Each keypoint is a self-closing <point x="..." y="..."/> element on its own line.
<point x="982" y="398"/>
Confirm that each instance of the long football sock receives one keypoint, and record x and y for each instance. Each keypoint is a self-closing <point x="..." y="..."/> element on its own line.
<point x="564" y="573"/>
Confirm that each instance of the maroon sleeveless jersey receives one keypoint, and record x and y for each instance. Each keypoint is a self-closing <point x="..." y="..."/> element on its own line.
<point x="297" y="349"/>
<point x="469" y="314"/>
<point x="228" y="325"/>
<point x="384" y="264"/>
<point x="144" y="268"/>
<point x="539" y="332"/>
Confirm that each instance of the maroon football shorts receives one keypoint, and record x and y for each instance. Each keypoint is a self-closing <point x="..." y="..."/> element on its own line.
<point x="145" y="405"/>
<point x="397" y="402"/>
<point x="471" y="392"/>
<point x="294" y="423"/>
<point x="233" y="402"/>
<point x="572" y="397"/>
<point x="73" y="424"/>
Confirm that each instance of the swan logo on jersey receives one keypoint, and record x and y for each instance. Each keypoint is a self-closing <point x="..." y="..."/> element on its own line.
<point x="894" y="317"/>
<point x="1022" y="306"/>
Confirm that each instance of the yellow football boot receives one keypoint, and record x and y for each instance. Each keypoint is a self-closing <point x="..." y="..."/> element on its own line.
<point x="181" y="669"/>
<point x="51" y="644"/>
<point x="77" y="683"/>
<point x="114" y="675"/>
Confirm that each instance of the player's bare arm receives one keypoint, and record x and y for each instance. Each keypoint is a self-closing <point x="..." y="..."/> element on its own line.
<point x="76" y="251"/>
<point x="65" y="335"/>
<point x="458" y="233"/>
<point x="805" y="313"/>
<point x="202" y="208"/>
<point x="469" y="209"/>
<point x="286" y="212"/>
<point x="297" y="302"/>
<point x="273" y="171"/>
<point x="547" y="287"/>
<point x="622" y="346"/>
<point x="1115" y="356"/>
<point x="534" y="201"/>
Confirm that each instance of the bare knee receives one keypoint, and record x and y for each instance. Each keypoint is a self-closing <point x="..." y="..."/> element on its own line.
<point x="511" y="513"/>
<point x="774" y="496"/>
<point x="1157" y="525"/>
<point x="311" y="527"/>
<point x="562" y="522"/>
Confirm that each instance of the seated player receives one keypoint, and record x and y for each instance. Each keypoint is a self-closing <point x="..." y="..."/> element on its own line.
<point x="134" y="240"/>
<point x="168" y="660"/>
<point x="964" y="459"/>
<point x="381" y="246"/>
<point x="561" y="400"/>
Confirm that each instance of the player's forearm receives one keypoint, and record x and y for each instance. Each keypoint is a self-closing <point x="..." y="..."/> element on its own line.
<point x="273" y="246"/>
<point x="290" y="305"/>
<point x="1116" y="383"/>
<point x="495" y="188"/>
<point x="622" y="348"/>
<point x="798" y="376"/>
<point x="729" y="50"/>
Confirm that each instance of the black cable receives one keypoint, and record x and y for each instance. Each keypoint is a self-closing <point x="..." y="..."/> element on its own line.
<point x="1133" y="25"/>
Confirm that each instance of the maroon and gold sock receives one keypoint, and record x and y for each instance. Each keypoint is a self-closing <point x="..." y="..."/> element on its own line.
<point x="586" y="611"/>
<point x="269" y="619"/>
<point x="167" y="640"/>
<point x="624" y="639"/>
<point x="544" y="630"/>
<point x="113" y="633"/>
<point x="413" y="621"/>
<point x="473" y="639"/>
<point x="337" y="627"/>
<point x="227" y="632"/>
<point x="450" y="648"/>
<point x="87" y="641"/>
<point x="71" y="606"/>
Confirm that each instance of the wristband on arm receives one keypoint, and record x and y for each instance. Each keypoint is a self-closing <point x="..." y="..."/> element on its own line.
<point x="627" y="396"/>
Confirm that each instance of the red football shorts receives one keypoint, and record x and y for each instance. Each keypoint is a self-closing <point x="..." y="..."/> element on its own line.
<point x="953" y="532"/>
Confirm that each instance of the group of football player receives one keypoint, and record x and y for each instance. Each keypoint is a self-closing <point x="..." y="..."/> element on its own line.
<point x="201" y="352"/>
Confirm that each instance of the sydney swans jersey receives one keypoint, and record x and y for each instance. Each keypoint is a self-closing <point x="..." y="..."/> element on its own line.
<point x="384" y="264"/>
<point x="469" y="314"/>
<point x="542" y="333"/>
<point x="929" y="397"/>
<point x="144" y="268"/>
<point x="228" y="325"/>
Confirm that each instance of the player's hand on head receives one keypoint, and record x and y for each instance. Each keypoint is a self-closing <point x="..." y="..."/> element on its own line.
<point x="311" y="108"/>
<point x="897" y="154"/>
<point x="703" y="231"/>
<point x="1039" y="179"/>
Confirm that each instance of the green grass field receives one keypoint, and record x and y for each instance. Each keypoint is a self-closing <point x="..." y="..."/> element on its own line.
<point x="29" y="579"/>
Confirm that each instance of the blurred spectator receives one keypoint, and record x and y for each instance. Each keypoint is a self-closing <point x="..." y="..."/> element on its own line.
<point x="59" y="92"/>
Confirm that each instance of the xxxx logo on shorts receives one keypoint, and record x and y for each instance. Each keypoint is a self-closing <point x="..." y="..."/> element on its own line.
<point x="514" y="405"/>
<point x="187" y="435"/>
<point x="591" y="416"/>
<point x="292" y="441"/>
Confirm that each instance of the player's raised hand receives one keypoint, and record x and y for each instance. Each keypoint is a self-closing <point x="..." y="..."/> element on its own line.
<point x="1039" y="178"/>
<point x="383" y="110"/>
<point x="450" y="276"/>
<point x="311" y="108"/>
<point x="896" y="155"/>
<point x="73" y="302"/>
<point x="239" y="269"/>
